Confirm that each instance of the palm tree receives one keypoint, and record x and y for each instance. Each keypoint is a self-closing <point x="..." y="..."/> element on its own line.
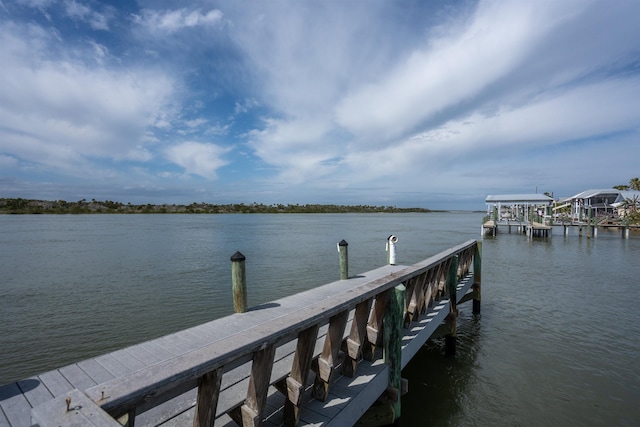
<point x="631" y="208"/>
<point x="634" y="184"/>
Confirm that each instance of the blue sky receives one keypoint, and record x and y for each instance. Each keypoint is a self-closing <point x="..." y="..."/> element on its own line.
<point x="407" y="103"/>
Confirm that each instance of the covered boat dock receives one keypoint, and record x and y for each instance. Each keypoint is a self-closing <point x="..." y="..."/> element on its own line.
<point x="528" y="213"/>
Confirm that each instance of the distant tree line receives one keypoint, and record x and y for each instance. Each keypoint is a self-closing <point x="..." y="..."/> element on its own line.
<point x="28" y="206"/>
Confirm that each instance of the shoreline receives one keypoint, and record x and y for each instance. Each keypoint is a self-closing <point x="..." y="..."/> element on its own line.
<point x="29" y="207"/>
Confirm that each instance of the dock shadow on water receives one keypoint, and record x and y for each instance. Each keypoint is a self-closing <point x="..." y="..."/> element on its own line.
<point x="437" y="382"/>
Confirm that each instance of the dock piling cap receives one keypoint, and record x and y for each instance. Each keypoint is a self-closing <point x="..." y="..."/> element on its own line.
<point x="237" y="256"/>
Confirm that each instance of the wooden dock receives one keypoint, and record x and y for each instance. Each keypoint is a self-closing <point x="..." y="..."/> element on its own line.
<point x="531" y="229"/>
<point x="318" y="358"/>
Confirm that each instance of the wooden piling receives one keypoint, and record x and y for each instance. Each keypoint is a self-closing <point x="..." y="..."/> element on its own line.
<point x="393" y="322"/>
<point x="452" y="284"/>
<point x="238" y="282"/>
<point x="343" y="249"/>
<point x="450" y="340"/>
<point x="477" y="273"/>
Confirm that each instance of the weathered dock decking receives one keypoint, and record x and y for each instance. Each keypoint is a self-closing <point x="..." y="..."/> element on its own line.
<point x="318" y="358"/>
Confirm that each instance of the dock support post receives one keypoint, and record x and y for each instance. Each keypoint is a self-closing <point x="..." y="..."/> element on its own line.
<point x="393" y="321"/>
<point x="343" y="249"/>
<point x="207" y="401"/>
<point x="328" y="358"/>
<point x="477" y="274"/>
<point x="251" y="412"/>
<point x="239" y="283"/>
<point x="295" y="383"/>
<point x="452" y="284"/>
<point x="357" y="338"/>
<point x="451" y="338"/>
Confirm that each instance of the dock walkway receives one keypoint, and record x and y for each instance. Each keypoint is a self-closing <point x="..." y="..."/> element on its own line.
<point x="310" y="359"/>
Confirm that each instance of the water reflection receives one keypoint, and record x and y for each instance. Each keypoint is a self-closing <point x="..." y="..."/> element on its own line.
<point x="439" y="383"/>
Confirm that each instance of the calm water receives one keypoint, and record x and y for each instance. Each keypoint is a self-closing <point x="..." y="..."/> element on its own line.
<point x="557" y="342"/>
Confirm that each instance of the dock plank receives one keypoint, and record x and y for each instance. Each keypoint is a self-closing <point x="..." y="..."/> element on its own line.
<point x="35" y="392"/>
<point x="130" y="362"/>
<point x="55" y="382"/>
<point x="15" y="406"/>
<point x="113" y="365"/>
<point x="144" y="355"/>
<point x="168" y="345"/>
<point x="72" y="409"/>
<point x="77" y="377"/>
<point x="176" y="343"/>
<point x="157" y="349"/>
<point x="346" y="394"/>
<point x="194" y="339"/>
<point x="95" y="370"/>
<point x="4" y="422"/>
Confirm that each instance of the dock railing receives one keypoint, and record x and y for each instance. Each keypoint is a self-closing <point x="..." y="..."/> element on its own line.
<point x="336" y="332"/>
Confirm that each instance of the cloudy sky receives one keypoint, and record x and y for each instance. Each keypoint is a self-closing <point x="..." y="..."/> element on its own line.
<point x="408" y="103"/>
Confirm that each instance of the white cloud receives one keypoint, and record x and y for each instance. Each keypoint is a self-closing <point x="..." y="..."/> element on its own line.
<point x="171" y="21"/>
<point x="450" y="70"/>
<point x="218" y="130"/>
<point x="196" y="123"/>
<point x="59" y="112"/>
<point x="581" y="114"/>
<point x="197" y="158"/>
<point x="245" y="106"/>
<point x="39" y="4"/>
<point x="300" y="147"/>
<point x="509" y="76"/>
<point x="97" y="20"/>
<point x="100" y="52"/>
